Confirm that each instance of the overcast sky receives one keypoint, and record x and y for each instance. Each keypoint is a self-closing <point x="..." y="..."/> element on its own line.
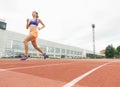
<point x="67" y="21"/>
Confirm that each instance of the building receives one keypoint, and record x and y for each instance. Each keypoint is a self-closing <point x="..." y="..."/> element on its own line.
<point x="11" y="45"/>
<point x="102" y="52"/>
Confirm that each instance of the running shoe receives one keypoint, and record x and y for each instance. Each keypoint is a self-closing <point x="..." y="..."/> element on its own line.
<point x="24" y="58"/>
<point x="44" y="56"/>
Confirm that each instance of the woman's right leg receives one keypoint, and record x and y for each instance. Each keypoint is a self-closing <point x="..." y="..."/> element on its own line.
<point x="26" y="40"/>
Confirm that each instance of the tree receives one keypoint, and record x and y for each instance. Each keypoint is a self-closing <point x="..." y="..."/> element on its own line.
<point x="118" y="52"/>
<point x="109" y="51"/>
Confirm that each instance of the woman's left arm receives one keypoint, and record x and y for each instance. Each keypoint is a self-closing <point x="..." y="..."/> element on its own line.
<point x="43" y="25"/>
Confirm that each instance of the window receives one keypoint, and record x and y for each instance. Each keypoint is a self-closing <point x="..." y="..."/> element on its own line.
<point x="57" y="50"/>
<point x="31" y="48"/>
<point x="44" y="48"/>
<point x="78" y="53"/>
<point x="50" y="49"/>
<point x="17" y="45"/>
<point x="71" y="52"/>
<point x="75" y="52"/>
<point x="68" y="51"/>
<point x="3" y="25"/>
<point x="63" y="50"/>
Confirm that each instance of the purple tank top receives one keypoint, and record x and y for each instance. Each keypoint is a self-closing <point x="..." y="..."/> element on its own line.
<point x="34" y="22"/>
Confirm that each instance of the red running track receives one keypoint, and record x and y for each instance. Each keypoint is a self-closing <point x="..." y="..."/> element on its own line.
<point x="59" y="73"/>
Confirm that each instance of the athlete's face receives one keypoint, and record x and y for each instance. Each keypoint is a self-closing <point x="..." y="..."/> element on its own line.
<point x="34" y="14"/>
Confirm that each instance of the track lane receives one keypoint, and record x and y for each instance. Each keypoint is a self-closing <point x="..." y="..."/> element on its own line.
<point x="108" y="76"/>
<point x="63" y="72"/>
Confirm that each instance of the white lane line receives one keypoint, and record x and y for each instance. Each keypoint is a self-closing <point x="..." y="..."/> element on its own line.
<point x="8" y="69"/>
<point x="73" y="82"/>
<point x="2" y="70"/>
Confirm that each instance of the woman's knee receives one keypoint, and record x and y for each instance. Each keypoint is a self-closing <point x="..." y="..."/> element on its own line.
<point x="25" y="41"/>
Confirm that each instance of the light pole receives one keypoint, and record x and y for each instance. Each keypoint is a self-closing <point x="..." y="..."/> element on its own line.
<point x="93" y="30"/>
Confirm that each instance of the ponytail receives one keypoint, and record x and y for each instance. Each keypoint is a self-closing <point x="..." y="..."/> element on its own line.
<point x="37" y="15"/>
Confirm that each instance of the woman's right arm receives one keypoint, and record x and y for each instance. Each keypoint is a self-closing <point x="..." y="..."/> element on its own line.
<point x="27" y="24"/>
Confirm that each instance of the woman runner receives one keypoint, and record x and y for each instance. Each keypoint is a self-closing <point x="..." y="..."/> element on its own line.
<point x="32" y="24"/>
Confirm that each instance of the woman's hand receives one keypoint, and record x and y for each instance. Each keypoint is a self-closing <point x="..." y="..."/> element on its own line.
<point x="27" y="24"/>
<point x="39" y="28"/>
<point x="27" y="20"/>
<point x="39" y="21"/>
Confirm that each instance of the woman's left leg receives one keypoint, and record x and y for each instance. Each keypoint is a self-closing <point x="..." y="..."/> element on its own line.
<point x="36" y="47"/>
